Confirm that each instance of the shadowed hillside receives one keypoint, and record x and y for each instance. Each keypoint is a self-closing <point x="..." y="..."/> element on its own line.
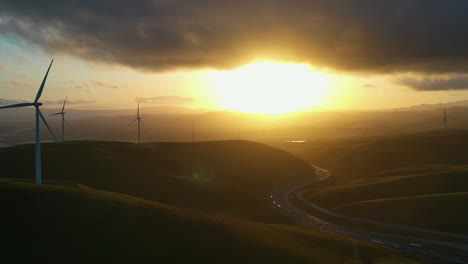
<point x="81" y="224"/>
<point x="432" y="200"/>
<point x="230" y="177"/>
<point x="367" y="157"/>
<point x="445" y="212"/>
<point x="418" y="180"/>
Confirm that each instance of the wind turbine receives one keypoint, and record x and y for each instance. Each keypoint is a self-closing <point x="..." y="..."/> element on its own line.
<point x="138" y="118"/>
<point x="39" y="115"/>
<point x="445" y="117"/>
<point x="63" y="119"/>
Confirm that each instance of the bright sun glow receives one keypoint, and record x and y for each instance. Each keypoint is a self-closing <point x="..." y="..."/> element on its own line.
<point x="268" y="87"/>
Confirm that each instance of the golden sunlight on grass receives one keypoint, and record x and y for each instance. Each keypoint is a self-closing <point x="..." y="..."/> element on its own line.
<point x="268" y="87"/>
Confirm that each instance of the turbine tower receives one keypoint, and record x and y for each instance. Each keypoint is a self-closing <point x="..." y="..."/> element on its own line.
<point x="39" y="115"/>
<point x="138" y="118"/>
<point x="63" y="119"/>
<point x="445" y="117"/>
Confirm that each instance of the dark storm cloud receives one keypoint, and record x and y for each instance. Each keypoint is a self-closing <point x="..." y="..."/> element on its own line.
<point x="359" y="35"/>
<point x="436" y="83"/>
<point x="171" y="100"/>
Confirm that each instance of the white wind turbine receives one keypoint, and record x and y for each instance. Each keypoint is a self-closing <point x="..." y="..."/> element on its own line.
<point x="63" y="119"/>
<point x="39" y="115"/>
<point x="138" y="118"/>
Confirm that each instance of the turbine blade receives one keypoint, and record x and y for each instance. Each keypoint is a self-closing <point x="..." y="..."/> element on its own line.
<point x="47" y="125"/>
<point x="66" y="123"/>
<point x="63" y="108"/>
<point x="141" y="121"/>
<point x="138" y="109"/>
<point x="16" y="105"/>
<point x="133" y="121"/>
<point x="55" y="114"/>
<point x="39" y="93"/>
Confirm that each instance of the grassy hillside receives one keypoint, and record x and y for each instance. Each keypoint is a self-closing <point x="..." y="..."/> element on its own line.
<point x="229" y="177"/>
<point x="433" y="200"/>
<point x="451" y="180"/>
<point x="80" y="224"/>
<point x="367" y="157"/>
<point x="446" y="211"/>
<point x="413" y="179"/>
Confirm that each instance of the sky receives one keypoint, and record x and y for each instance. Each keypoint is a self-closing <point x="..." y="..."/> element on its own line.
<point x="253" y="56"/>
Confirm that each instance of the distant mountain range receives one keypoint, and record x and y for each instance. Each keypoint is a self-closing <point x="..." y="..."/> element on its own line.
<point x="429" y="107"/>
<point x="169" y="123"/>
<point x="27" y="114"/>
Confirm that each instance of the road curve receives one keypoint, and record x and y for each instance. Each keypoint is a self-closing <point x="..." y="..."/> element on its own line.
<point x="282" y="200"/>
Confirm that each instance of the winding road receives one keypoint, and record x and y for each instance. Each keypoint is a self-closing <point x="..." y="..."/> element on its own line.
<point x="283" y="200"/>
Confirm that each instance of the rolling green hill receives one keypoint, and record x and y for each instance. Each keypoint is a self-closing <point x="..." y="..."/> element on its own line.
<point x="227" y="177"/>
<point x="368" y="157"/>
<point x="445" y="211"/>
<point x="418" y="179"/>
<point x="451" y="180"/>
<point x="431" y="200"/>
<point x="79" y="224"/>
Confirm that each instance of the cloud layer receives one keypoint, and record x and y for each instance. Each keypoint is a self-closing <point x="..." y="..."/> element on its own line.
<point x="90" y="85"/>
<point x="439" y="83"/>
<point x="156" y="35"/>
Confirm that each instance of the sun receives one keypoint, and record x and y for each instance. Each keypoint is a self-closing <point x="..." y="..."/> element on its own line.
<point x="269" y="87"/>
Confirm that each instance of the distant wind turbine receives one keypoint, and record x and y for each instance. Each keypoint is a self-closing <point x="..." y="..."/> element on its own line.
<point x="63" y="119"/>
<point x="445" y="117"/>
<point x="39" y="115"/>
<point x="138" y="118"/>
